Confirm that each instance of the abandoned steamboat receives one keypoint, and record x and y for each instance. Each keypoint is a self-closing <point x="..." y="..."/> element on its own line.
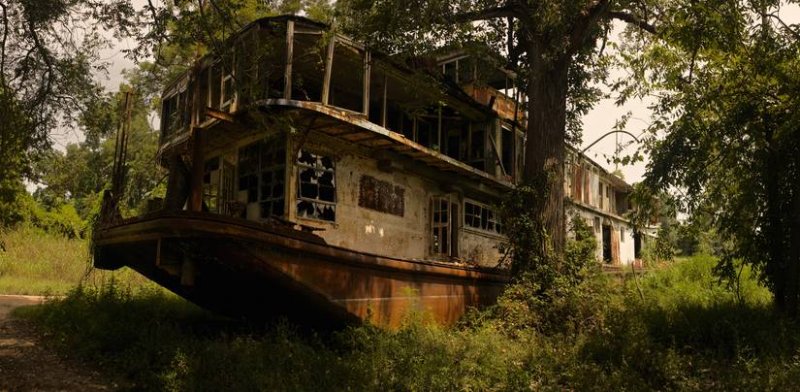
<point x="314" y="178"/>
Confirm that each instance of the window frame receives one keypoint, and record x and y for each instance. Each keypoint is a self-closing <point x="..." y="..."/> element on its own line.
<point x="299" y="198"/>
<point x="495" y="219"/>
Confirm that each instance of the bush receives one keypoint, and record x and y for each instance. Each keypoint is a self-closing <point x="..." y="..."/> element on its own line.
<point x="61" y="219"/>
<point x="685" y="332"/>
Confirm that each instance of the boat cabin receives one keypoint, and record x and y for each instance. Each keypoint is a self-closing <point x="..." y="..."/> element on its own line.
<point x="309" y="128"/>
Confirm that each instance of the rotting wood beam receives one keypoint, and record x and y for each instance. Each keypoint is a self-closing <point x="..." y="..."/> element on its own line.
<point x="219" y="115"/>
<point x="287" y="82"/>
<point x="326" y="83"/>
<point x="366" y="83"/>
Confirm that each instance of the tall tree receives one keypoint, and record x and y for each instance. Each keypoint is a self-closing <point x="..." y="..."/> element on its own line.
<point x="48" y="50"/>
<point x="732" y="139"/>
<point x="552" y="45"/>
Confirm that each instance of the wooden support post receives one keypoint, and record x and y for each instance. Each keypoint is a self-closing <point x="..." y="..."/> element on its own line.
<point x="287" y="81"/>
<point x="367" y="60"/>
<point x="439" y="142"/>
<point x="196" y="194"/>
<point x="326" y="83"/>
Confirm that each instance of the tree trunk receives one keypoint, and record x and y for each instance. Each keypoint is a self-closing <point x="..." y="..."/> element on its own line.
<point x="793" y="254"/>
<point x="544" y="150"/>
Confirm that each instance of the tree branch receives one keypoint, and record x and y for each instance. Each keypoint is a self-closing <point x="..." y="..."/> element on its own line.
<point x="482" y="14"/>
<point x="584" y="24"/>
<point x="791" y="31"/>
<point x="634" y="20"/>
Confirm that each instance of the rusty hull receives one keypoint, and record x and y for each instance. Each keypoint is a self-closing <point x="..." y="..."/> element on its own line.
<point x="264" y="271"/>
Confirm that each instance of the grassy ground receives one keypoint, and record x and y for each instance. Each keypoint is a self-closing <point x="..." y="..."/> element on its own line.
<point x="674" y="329"/>
<point x="36" y="263"/>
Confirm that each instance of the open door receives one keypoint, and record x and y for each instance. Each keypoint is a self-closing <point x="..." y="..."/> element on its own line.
<point x="444" y="227"/>
<point x="607" y="244"/>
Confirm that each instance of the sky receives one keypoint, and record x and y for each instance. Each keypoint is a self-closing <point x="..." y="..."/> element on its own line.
<point x="597" y="122"/>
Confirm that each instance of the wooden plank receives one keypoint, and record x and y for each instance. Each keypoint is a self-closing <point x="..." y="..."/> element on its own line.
<point x="365" y="95"/>
<point x="287" y="82"/>
<point x="326" y="83"/>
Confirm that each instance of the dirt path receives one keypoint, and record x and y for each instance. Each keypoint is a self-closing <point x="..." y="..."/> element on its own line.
<point x="27" y="366"/>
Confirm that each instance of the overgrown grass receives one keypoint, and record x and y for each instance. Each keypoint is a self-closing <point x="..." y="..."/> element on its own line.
<point x="683" y="332"/>
<point x="38" y="263"/>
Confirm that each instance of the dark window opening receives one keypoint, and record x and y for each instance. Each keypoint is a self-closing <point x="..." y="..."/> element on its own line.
<point x="398" y="121"/>
<point x="466" y="70"/>
<point x="607" y="244"/>
<point x="428" y="132"/>
<point x="308" y="67"/>
<point x="454" y="132"/>
<point x="215" y="81"/>
<point x="377" y="87"/>
<point x="507" y="141"/>
<point x="170" y="116"/>
<point x="347" y="79"/>
<point x="476" y="153"/>
<point x="202" y="101"/>
<point x="449" y="70"/>
<point x="316" y="183"/>
<point x="270" y="61"/>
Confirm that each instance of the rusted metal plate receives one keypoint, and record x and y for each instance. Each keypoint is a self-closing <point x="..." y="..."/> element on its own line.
<point x="337" y="282"/>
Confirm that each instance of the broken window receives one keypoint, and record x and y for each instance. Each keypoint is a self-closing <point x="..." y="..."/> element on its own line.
<point x="347" y="78"/>
<point x="443" y="234"/>
<point x="202" y="100"/>
<point x="228" y="93"/>
<point x="482" y="217"/>
<point x="248" y="171"/>
<point x="215" y="77"/>
<point x="272" y="178"/>
<point x="308" y="66"/>
<point x="170" y="115"/>
<point x="226" y="192"/>
<point x="461" y="70"/>
<point x="262" y="173"/>
<point x="211" y="183"/>
<point x="316" y="193"/>
<point x="268" y="57"/>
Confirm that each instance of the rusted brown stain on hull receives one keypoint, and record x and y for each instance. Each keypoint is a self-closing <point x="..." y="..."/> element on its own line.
<point x="335" y="280"/>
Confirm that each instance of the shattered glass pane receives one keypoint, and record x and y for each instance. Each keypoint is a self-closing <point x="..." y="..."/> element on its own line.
<point x="316" y="186"/>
